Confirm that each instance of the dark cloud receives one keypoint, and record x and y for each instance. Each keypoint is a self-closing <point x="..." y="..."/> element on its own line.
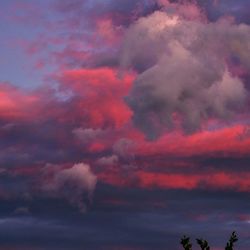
<point x="144" y="226"/>
<point x="216" y="9"/>
<point x="122" y="12"/>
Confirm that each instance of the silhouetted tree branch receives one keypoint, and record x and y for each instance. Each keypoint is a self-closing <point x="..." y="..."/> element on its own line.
<point x="185" y="242"/>
<point x="232" y="240"/>
<point x="203" y="244"/>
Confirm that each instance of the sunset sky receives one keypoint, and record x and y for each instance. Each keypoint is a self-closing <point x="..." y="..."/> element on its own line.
<point x="124" y="124"/>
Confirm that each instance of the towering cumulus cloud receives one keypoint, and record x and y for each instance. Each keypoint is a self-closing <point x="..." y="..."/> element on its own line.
<point x="185" y="71"/>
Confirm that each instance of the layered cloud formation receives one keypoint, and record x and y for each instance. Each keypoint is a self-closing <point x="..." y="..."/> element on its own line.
<point x="136" y="130"/>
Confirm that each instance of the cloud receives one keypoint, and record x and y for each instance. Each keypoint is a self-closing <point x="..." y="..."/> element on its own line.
<point x="217" y="8"/>
<point x="87" y="135"/>
<point x="108" y="160"/>
<point x="225" y="141"/>
<point x="98" y="96"/>
<point x="14" y="103"/>
<point x="75" y="184"/>
<point x="121" y="11"/>
<point x="218" y="181"/>
<point x="200" y="181"/>
<point x="190" y="10"/>
<point x="124" y="147"/>
<point x="22" y="211"/>
<point x="183" y="74"/>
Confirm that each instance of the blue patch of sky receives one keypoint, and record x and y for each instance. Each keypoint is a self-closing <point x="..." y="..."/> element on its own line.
<point x="16" y="66"/>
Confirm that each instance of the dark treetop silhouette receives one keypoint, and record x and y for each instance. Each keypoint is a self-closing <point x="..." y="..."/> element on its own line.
<point x="185" y="242"/>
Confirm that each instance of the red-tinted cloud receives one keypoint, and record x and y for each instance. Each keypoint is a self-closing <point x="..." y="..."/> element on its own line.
<point x="225" y="141"/>
<point x="15" y="104"/>
<point x="151" y="180"/>
<point x="100" y="94"/>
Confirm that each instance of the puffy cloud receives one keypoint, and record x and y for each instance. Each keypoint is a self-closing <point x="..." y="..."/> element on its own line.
<point x="108" y="160"/>
<point x="76" y="184"/>
<point x="87" y="135"/>
<point x="183" y="73"/>
<point x="189" y="10"/>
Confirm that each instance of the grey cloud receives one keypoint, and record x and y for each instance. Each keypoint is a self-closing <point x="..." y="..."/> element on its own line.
<point x="124" y="148"/>
<point x="75" y="184"/>
<point x="22" y="211"/>
<point x="237" y="9"/>
<point x="87" y="135"/>
<point x="126" y="164"/>
<point x="108" y="160"/>
<point x="182" y="70"/>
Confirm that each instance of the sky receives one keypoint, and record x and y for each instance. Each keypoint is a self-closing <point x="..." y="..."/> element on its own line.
<point x="124" y="124"/>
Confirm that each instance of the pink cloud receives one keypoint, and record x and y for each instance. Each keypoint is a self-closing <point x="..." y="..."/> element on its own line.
<point x="101" y="95"/>
<point x="225" y="140"/>
<point x="189" y="10"/>
<point x="14" y="103"/>
<point x="151" y="180"/>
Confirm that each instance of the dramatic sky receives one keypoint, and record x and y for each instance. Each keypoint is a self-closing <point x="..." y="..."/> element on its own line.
<point x="124" y="124"/>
